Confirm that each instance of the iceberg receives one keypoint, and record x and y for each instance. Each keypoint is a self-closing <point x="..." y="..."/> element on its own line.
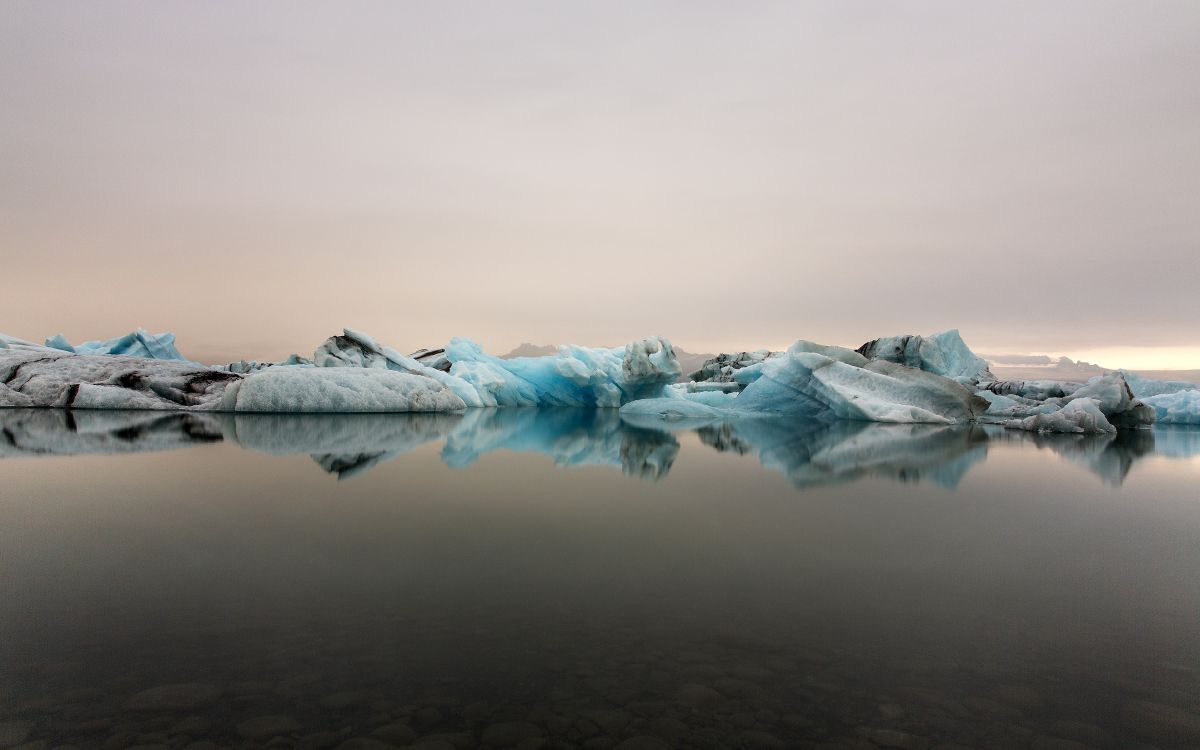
<point x="944" y="354"/>
<point x="825" y="383"/>
<point x="575" y="376"/>
<point x="723" y="367"/>
<point x="1106" y="402"/>
<point x="53" y="378"/>
<point x="140" y="343"/>
<point x="1078" y="415"/>
<point x="49" y="377"/>
<point x="350" y="373"/>
<point x="902" y="379"/>
<point x="309" y="389"/>
<point x="1179" y="407"/>
<point x="933" y="379"/>
<point x="1143" y="387"/>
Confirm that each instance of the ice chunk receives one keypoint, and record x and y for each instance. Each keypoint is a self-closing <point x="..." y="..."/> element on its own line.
<point x="944" y="354"/>
<point x="11" y="398"/>
<point x="813" y="380"/>
<point x="1116" y="401"/>
<point x="721" y="369"/>
<point x="49" y="377"/>
<point x="316" y="389"/>
<point x="1037" y="390"/>
<point x="12" y="342"/>
<point x="1142" y="386"/>
<point x="576" y="376"/>
<point x="1180" y="407"/>
<point x="357" y="349"/>
<point x="1079" y="415"/>
<point x="825" y="382"/>
<point x="140" y="343"/>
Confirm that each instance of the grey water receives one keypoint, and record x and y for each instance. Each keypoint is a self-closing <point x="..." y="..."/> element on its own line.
<point x="563" y="579"/>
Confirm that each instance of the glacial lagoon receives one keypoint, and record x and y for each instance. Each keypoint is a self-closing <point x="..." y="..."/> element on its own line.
<point x="561" y="578"/>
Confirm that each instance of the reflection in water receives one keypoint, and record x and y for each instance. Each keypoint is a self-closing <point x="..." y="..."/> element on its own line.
<point x="809" y="454"/>
<point x="1109" y="456"/>
<point x="219" y="598"/>
<point x="573" y="437"/>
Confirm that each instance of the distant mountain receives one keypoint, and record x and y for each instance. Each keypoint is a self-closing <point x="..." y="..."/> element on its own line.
<point x="531" y="350"/>
<point x="691" y="362"/>
<point x="1041" y="367"/>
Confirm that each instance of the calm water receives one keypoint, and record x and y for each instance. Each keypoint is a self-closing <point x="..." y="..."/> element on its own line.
<point x="557" y="578"/>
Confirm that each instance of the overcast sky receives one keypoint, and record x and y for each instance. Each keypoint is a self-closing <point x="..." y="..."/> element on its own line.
<point x="254" y="176"/>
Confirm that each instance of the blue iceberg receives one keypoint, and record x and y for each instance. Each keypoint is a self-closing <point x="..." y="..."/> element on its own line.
<point x="140" y="343"/>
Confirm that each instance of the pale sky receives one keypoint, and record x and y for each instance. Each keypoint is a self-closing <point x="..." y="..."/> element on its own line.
<point x="255" y="176"/>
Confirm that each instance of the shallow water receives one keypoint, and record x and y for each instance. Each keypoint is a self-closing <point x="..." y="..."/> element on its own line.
<point x="559" y="578"/>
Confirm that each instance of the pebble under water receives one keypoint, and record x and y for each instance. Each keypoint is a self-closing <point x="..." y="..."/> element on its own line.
<point x="562" y="579"/>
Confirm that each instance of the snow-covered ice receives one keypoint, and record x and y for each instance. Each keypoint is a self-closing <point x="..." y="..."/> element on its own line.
<point x="317" y="389"/>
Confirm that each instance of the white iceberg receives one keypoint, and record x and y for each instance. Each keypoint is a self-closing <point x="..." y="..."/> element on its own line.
<point x="315" y="389"/>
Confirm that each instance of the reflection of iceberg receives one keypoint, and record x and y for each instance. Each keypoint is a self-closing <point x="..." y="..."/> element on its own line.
<point x="1109" y="456"/>
<point x="342" y="444"/>
<point x="573" y="437"/>
<point x="55" y="432"/>
<point x="812" y="454"/>
<point x="807" y="453"/>
<point x="1177" y="442"/>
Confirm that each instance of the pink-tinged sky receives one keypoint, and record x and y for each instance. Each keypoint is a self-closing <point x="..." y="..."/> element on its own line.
<point x="254" y="176"/>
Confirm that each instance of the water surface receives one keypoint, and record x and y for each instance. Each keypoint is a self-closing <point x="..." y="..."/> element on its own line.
<point x="560" y="578"/>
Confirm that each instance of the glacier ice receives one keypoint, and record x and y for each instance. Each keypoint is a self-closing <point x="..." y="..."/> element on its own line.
<point x="828" y="382"/>
<point x="1180" y="407"/>
<point x="348" y="373"/>
<point x="575" y="376"/>
<point x="1078" y="415"/>
<point x="1143" y="386"/>
<point x="1036" y="405"/>
<point x="723" y="367"/>
<point x="313" y="389"/>
<point x="944" y="354"/>
<point x="903" y="379"/>
<point x="50" y="377"/>
<point x="140" y="343"/>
